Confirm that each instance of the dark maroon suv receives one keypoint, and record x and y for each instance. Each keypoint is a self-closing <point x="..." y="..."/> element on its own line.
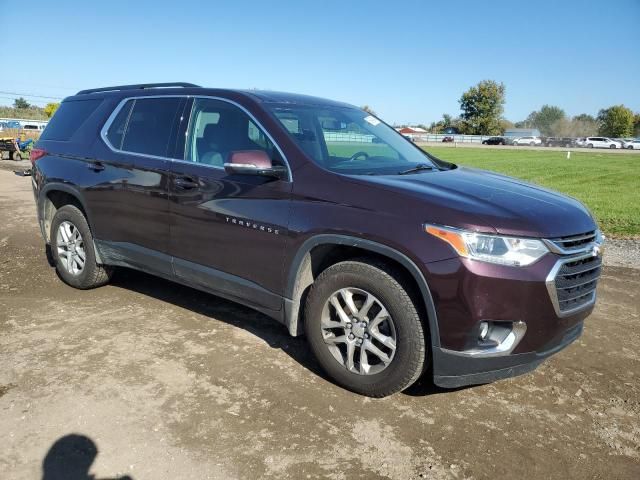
<point x="318" y="214"/>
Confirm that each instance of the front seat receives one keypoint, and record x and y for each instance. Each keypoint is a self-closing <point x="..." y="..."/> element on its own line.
<point x="209" y="146"/>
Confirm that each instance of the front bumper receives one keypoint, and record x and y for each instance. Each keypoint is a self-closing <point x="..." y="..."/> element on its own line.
<point x="467" y="292"/>
<point x="457" y="370"/>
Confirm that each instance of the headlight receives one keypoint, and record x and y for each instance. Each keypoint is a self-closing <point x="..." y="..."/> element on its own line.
<point x="517" y="252"/>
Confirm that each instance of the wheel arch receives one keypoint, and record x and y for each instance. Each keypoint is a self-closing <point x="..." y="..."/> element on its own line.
<point x="54" y="196"/>
<point x="322" y="251"/>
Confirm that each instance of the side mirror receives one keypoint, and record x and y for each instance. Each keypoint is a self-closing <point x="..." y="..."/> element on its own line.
<point x="253" y="162"/>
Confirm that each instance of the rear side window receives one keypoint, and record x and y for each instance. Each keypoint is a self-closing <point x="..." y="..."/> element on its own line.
<point x="68" y="118"/>
<point x="150" y="125"/>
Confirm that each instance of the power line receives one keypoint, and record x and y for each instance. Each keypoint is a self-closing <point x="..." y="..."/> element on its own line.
<point x="29" y="95"/>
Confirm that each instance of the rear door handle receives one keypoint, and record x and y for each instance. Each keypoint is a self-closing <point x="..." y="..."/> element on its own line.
<point x="185" y="183"/>
<point x="95" y="166"/>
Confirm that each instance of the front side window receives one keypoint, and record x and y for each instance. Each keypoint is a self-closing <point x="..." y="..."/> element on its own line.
<point x="348" y="140"/>
<point x="151" y="124"/>
<point x="218" y="128"/>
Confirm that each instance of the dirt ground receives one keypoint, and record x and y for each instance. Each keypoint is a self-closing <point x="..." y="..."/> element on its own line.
<point x="159" y="381"/>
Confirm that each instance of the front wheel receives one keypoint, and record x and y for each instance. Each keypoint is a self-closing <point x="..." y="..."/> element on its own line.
<point x="364" y="328"/>
<point x="73" y="250"/>
<point x="630" y="147"/>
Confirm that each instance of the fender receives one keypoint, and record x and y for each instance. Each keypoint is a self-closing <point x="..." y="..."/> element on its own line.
<point x="300" y="277"/>
<point x="71" y="190"/>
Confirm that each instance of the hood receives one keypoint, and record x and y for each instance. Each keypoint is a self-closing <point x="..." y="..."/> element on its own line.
<point x="485" y="201"/>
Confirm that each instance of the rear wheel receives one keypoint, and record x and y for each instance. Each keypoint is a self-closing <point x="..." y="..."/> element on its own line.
<point x="73" y="250"/>
<point x="612" y="146"/>
<point x="16" y="155"/>
<point x="364" y="329"/>
<point x="630" y="147"/>
<point x="532" y="144"/>
<point x="590" y="145"/>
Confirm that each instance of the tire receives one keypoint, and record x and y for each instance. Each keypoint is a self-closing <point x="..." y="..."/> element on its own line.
<point x="69" y="223"/>
<point x="532" y="144"/>
<point x="16" y="155"/>
<point x="363" y="280"/>
<point x="630" y="147"/>
<point x="590" y="145"/>
<point x="612" y="146"/>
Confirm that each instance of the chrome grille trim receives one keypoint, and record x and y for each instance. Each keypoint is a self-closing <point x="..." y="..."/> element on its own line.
<point x="568" y="296"/>
<point x="574" y="244"/>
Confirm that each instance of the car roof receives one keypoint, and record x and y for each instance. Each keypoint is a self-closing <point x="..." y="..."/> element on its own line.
<point x="179" y="88"/>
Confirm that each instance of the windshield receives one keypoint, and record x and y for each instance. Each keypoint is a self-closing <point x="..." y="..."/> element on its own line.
<point x="350" y="141"/>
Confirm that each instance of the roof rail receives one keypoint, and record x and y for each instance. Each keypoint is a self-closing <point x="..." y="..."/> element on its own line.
<point x="140" y="86"/>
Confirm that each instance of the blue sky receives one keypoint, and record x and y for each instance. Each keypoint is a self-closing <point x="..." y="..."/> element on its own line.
<point x="409" y="60"/>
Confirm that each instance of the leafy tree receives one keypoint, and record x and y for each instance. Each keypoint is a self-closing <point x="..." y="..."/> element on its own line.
<point x="482" y="107"/>
<point x="616" y="121"/>
<point x="369" y="110"/>
<point x="505" y="125"/>
<point x="21" y="103"/>
<point x="546" y="118"/>
<point x="584" y="117"/>
<point x="50" y="109"/>
<point x="583" y="125"/>
<point x="636" y="125"/>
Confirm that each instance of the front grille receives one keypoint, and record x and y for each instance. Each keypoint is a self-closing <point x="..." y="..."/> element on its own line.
<point x="575" y="282"/>
<point x="574" y="241"/>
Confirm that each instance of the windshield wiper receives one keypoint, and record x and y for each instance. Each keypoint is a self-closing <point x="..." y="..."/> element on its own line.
<point x="417" y="168"/>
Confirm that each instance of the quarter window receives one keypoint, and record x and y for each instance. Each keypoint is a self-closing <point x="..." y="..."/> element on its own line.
<point x="115" y="134"/>
<point x="69" y="118"/>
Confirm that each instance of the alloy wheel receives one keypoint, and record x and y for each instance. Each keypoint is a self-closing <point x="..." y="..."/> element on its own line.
<point x="70" y="248"/>
<point x="358" y="331"/>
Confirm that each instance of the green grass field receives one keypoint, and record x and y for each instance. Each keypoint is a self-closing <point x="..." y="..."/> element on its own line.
<point x="609" y="184"/>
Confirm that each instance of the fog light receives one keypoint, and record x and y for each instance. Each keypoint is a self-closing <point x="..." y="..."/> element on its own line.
<point x="484" y="330"/>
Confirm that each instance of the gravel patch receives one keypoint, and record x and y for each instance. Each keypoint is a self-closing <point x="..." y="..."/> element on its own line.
<point x="622" y="253"/>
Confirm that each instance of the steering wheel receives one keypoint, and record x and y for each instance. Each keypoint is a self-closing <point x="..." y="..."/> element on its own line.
<point x="357" y="155"/>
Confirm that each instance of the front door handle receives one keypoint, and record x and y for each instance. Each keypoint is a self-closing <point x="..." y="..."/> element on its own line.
<point x="185" y="183"/>
<point x="95" y="166"/>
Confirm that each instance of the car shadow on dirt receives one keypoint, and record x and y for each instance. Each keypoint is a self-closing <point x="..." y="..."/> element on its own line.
<point x="220" y="309"/>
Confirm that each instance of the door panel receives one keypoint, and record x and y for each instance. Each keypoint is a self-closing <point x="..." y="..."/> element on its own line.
<point x="230" y="224"/>
<point x="140" y="215"/>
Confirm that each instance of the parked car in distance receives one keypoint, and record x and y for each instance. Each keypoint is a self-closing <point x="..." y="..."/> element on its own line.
<point x="495" y="141"/>
<point x="601" y="142"/>
<point x="391" y="262"/>
<point x="447" y="139"/>
<point x="632" y="144"/>
<point x="559" y="142"/>
<point x="531" y="141"/>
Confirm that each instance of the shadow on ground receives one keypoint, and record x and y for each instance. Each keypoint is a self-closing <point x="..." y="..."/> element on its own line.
<point x="274" y="334"/>
<point x="70" y="458"/>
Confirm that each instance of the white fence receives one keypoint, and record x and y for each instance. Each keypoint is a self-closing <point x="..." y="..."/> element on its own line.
<point x="438" y="137"/>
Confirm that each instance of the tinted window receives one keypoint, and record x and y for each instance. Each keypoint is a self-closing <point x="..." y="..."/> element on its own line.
<point x="150" y="125"/>
<point x="115" y="134"/>
<point x="68" y="118"/>
<point x="218" y="128"/>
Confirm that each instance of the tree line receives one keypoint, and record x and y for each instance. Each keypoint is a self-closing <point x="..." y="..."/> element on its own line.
<point x="23" y="109"/>
<point x="482" y="108"/>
